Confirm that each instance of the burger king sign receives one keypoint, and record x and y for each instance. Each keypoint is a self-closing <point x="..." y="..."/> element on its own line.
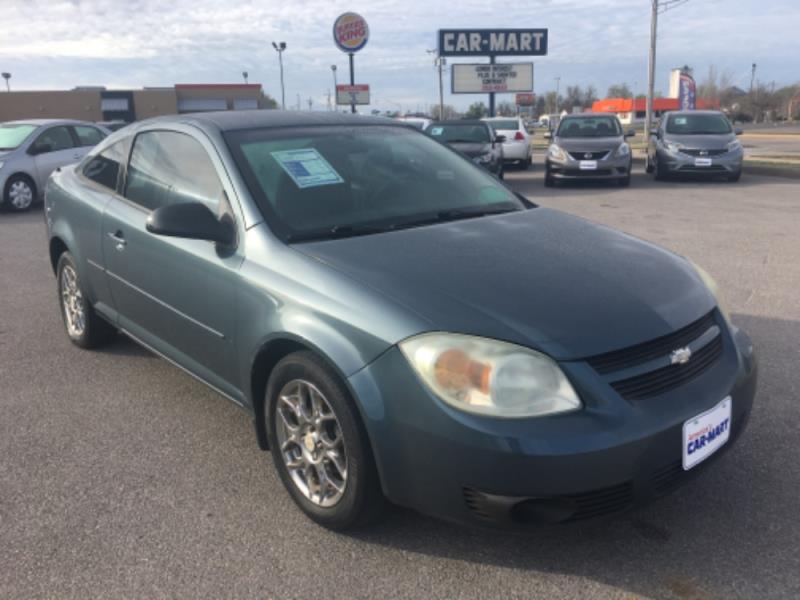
<point x="350" y="32"/>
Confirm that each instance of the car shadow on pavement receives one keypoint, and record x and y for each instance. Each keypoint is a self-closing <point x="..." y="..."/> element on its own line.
<point x="730" y="531"/>
<point x="125" y="346"/>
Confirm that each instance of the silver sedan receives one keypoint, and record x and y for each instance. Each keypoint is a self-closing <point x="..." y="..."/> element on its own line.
<point x="30" y="150"/>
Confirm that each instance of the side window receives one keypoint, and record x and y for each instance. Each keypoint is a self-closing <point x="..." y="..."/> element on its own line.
<point x="167" y="167"/>
<point x="88" y="136"/>
<point x="53" y="140"/>
<point x="104" y="167"/>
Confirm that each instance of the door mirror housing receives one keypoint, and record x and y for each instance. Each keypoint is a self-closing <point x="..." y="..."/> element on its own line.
<point x="738" y="131"/>
<point x="191" y="220"/>
<point x="630" y="133"/>
<point x="548" y="135"/>
<point x="654" y="132"/>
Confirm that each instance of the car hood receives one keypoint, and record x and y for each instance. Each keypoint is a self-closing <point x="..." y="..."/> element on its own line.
<point x="471" y="149"/>
<point x="589" y="144"/>
<point x="702" y="142"/>
<point x="539" y="278"/>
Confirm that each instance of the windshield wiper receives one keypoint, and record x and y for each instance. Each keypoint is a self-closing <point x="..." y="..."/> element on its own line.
<point x="454" y="214"/>
<point x="337" y="231"/>
<point x="457" y="141"/>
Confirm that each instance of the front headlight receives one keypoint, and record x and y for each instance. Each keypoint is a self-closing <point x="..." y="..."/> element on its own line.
<point x="623" y="150"/>
<point x="489" y="377"/>
<point x="734" y="145"/>
<point x="674" y="147"/>
<point x="554" y="151"/>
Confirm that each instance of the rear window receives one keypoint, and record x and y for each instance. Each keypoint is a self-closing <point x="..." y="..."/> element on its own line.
<point x="604" y="126"/>
<point x="698" y="124"/>
<point x="455" y="133"/>
<point x="512" y="124"/>
<point x="12" y="135"/>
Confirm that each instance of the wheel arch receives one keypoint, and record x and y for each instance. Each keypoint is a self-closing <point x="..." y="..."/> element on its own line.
<point x="57" y="248"/>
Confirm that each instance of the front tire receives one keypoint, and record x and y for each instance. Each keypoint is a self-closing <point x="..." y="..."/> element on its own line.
<point x="85" y="328"/>
<point x="319" y="445"/>
<point x="735" y="176"/>
<point x="19" y="193"/>
<point x="549" y="181"/>
<point x="658" y="170"/>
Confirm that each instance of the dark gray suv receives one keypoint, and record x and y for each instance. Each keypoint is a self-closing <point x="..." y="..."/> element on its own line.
<point x="695" y="142"/>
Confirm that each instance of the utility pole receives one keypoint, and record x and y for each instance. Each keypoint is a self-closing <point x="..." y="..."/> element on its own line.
<point x="440" y="62"/>
<point x="310" y="103"/>
<point x="752" y="77"/>
<point x="656" y="7"/>
<point x="279" y="48"/>
<point x="558" y="88"/>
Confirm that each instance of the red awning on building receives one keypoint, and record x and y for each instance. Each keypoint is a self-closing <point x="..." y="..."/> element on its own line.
<point x="624" y="105"/>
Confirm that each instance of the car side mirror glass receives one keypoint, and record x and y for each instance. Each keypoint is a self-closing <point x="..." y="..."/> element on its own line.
<point x="738" y="131"/>
<point x="191" y="220"/>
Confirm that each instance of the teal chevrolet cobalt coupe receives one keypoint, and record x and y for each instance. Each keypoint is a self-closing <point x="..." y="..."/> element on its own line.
<point x="400" y="325"/>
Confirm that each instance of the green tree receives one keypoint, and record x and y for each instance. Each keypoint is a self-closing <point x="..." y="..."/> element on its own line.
<point x="476" y="110"/>
<point x="619" y="90"/>
<point x="267" y="101"/>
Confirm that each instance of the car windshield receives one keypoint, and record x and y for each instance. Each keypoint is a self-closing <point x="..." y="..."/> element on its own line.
<point x="454" y="133"/>
<point x="589" y="127"/>
<point x="13" y="134"/>
<point x="698" y="124"/>
<point x="508" y="124"/>
<point x="338" y="181"/>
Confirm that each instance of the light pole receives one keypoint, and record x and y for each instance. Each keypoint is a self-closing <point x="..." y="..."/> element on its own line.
<point x="558" y="89"/>
<point x="7" y="76"/>
<point x="439" y="62"/>
<point x="279" y="48"/>
<point x="244" y="74"/>
<point x="335" y="93"/>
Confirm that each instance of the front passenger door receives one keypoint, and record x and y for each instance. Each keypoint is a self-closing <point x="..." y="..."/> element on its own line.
<point x="175" y="295"/>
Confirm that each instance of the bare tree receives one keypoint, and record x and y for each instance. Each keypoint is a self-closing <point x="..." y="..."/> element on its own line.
<point x="449" y="112"/>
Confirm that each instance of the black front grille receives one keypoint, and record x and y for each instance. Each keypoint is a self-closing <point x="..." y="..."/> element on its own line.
<point x="641" y="353"/>
<point x="599" y="155"/>
<point x="669" y="377"/>
<point x="693" y="152"/>
<point x="708" y="169"/>
<point x="586" y="173"/>
<point x="602" y="502"/>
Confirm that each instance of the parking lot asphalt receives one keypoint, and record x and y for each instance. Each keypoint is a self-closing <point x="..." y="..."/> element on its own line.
<point x="120" y="476"/>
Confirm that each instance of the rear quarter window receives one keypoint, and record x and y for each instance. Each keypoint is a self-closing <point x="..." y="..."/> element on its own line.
<point x="104" y="168"/>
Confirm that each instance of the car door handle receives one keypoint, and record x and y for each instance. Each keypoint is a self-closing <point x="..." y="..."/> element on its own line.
<point x="119" y="239"/>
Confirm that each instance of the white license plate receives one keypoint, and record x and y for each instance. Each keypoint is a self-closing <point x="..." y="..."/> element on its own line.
<point x="706" y="433"/>
<point x="702" y="162"/>
<point x="588" y="165"/>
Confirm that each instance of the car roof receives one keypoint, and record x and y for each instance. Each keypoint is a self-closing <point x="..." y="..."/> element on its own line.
<point x="40" y="122"/>
<point x="588" y="115"/>
<point x="233" y="120"/>
<point x="500" y="118"/>
<point x="461" y="122"/>
<point x="694" y="112"/>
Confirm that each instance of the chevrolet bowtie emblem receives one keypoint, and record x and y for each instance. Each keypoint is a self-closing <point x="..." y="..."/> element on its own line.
<point x="680" y="356"/>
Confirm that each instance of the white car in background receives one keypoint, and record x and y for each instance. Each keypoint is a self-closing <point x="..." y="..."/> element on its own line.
<point x="419" y="122"/>
<point x="517" y="147"/>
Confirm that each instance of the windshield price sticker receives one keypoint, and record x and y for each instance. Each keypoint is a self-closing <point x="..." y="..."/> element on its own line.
<point x="307" y="167"/>
<point x="436" y="130"/>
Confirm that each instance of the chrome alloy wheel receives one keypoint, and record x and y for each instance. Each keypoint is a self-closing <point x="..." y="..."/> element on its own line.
<point x="72" y="302"/>
<point x="20" y="194"/>
<point x="311" y="443"/>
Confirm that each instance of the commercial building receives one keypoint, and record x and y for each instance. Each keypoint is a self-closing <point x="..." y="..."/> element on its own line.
<point x="632" y="111"/>
<point x="100" y="104"/>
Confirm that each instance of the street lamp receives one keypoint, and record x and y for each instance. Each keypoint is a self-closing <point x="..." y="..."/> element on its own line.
<point x="7" y="76"/>
<point x="279" y="48"/>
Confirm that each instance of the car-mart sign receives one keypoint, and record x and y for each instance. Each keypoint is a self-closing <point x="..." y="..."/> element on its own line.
<point x="503" y="77"/>
<point x="492" y="42"/>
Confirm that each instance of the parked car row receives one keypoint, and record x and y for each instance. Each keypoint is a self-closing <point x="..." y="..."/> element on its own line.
<point x="398" y="324"/>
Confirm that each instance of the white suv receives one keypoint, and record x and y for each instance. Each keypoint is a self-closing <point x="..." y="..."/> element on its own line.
<point x="517" y="147"/>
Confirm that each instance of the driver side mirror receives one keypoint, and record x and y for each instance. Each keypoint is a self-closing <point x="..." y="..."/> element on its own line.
<point x="654" y="132"/>
<point x="738" y="131"/>
<point x="630" y="133"/>
<point x="191" y="220"/>
<point x="40" y="148"/>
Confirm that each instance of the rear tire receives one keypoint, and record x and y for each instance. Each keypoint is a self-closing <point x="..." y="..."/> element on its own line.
<point x="85" y="328"/>
<point x="322" y="454"/>
<point x="19" y="193"/>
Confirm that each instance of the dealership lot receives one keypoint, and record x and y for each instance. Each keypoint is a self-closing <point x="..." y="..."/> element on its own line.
<point x="122" y="476"/>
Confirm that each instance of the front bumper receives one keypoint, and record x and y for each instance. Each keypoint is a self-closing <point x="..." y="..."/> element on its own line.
<point x="608" y="168"/>
<point x="678" y="163"/>
<point x="610" y="456"/>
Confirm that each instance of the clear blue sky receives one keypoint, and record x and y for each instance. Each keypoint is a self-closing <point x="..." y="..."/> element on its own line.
<point x="135" y="43"/>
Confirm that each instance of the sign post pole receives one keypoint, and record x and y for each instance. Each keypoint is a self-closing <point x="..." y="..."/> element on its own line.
<point x="352" y="80"/>
<point x="491" y="94"/>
